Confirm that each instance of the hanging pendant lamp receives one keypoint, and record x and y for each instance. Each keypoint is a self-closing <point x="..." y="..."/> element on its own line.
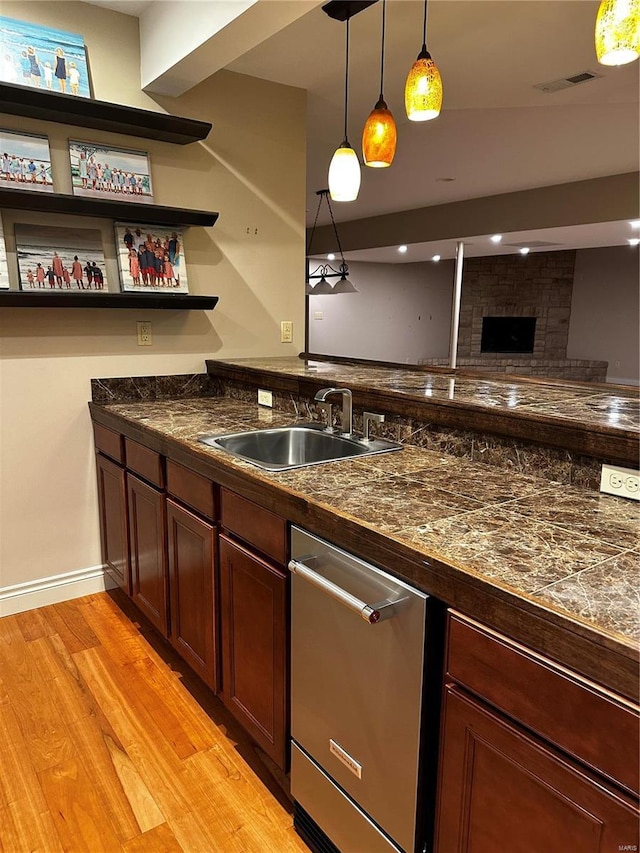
<point x="344" y="169"/>
<point x="618" y="32"/>
<point x="380" y="136"/>
<point x="423" y="89"/>
<point x="317" y="282"/>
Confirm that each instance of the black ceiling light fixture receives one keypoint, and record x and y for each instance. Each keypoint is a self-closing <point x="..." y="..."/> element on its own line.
<point x="324" y="272"/>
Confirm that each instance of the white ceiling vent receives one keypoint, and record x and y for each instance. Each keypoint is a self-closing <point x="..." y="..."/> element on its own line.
<point x="567" y="82"/>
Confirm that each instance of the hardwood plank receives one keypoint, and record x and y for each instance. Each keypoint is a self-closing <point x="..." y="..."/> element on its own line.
<point x="23" y="829"/>
<point x="236" y="801"/>
<point x="143" y="805"/>
<point x="70" y="624"/>
<point x="158" y="840"/>
<point x="18" y="780"/>
<point x="76" y="809"/>
<point x="33" y="625"/>
<point x="45" y="737"/>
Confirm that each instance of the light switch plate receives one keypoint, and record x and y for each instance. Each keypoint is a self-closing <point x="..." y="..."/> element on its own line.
<point x="265" y="398"/>
<point x="623" y="482"/>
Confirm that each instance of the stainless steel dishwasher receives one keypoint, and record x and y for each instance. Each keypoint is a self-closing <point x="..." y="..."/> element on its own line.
<point x="357" y="664"/>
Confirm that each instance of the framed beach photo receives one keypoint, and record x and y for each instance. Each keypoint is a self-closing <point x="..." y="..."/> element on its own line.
<point x="4" y="273"/>
<point x="25" y="162"/>
<point x="101" y="171"/>
<point x="64" y="259"/>
<point x="151" y="258"/>
<point x="43" y="58"/>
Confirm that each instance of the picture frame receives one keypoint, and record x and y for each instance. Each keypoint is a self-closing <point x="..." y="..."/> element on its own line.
<point x="42" y="57"/>
<point x="25" y="161"/>
<point x="151" y="258"/>
<point x="67" y="259"/>
<point x="104" y="171"/>
<point x="4" y="270"/>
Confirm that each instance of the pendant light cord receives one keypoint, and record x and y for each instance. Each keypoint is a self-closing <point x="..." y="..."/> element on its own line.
<point x="424" y="27"/>
<point x="384" y="10"/>
<point x="325" y="194"/>
<point x="346" y="84"/>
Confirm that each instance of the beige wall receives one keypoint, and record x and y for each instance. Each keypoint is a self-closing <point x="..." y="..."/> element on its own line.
<point x="252" y="170"/>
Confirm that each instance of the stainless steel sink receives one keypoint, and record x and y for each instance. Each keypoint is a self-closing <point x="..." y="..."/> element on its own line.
<point x="284" y="448"/>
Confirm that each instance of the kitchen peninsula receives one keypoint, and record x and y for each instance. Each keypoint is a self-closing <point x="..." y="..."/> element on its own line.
<point x="509" y="533"/>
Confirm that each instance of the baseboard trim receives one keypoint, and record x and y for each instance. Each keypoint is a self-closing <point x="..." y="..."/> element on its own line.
<point x="51" y="590"/>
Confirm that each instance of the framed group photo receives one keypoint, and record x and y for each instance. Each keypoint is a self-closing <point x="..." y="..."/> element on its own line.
<point x="43" y="58"/>
<point x="4" y="273"/>
<point x="102" y="171"/>
<point x="151" y="258"/>
<point x="25" y="161"/>
<point x="64" y="259"/>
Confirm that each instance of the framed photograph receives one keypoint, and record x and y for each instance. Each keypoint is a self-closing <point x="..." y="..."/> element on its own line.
<point x="43" y="58"/>
<point x="25" y="162"/>
<point x="64" y="259"/>
<point x="100" y="171"/>
<point x="4" y="274"/>
<point x="151" y="258"/>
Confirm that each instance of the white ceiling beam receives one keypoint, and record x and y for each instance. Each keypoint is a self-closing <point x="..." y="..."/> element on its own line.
<point x="184" y="43"/>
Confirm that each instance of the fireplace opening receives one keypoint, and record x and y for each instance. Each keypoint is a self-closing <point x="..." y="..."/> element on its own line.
<point x="508" y="334"/>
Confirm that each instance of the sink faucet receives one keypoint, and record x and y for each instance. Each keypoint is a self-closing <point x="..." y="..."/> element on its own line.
<point x="346" y="421"/>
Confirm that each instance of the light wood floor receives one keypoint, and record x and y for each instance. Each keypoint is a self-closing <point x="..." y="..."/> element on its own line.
<point x="103" y="746"/>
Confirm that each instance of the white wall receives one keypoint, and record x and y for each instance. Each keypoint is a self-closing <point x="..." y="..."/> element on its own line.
<point x="605" y="311"/>
<point x="401" y="312"/>
<point x="252" y="170"/>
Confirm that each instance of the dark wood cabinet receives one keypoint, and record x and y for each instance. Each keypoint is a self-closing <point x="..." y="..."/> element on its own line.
<point x="192" y="560"/>
<point x="114" y="529"/>
<point x="148" y="551"/>
<point x="503" y="789"/>
<point x="254" y="646"/>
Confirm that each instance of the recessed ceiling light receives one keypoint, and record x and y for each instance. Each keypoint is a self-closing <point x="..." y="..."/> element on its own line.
<point x="331" y="256"/>
<point x="524" y="250"/>
<point x="402" y="249"/>
<point x="496" y="238"/>
<point x="635" y="223"/>
<point x="436" y="258"/>
<point x="634" y="241"/>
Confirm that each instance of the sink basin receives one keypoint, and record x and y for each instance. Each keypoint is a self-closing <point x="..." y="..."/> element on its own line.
<point x="284" y="448"/>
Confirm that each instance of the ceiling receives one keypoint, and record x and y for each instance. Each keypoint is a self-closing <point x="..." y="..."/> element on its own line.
<point x="496" y="133"/>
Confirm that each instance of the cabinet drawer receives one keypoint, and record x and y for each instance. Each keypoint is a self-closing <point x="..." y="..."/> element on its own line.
<point x="192" y="489"/>
<point x="108" y="442"/>
<point x="145" y="462"/>
<point x="598" y="728"/>
<point x="257" y="526"/>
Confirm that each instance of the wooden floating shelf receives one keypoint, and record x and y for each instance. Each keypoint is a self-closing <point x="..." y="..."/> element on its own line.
<point x="100" y="115"/>
<point x="124" y="211"/>
<point x="55" y="299"/>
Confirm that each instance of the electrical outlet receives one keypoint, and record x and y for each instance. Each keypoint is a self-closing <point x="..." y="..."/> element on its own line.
<point x="286" y="332"/>
<point x="623" y="482"/>
<point x="145" y="337"/>
<point x="265" y="398"/>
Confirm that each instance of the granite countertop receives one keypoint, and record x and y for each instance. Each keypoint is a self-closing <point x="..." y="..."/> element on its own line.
<point x="598" y="406"/>
<point x="567" y="554"/>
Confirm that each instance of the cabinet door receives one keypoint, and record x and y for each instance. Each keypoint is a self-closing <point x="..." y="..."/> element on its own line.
<point x="114" y="531"/>
<point x="499" y="789"/>
<point x="254" y="631"/>
<point x="192" y="590"/>
<point x="147" y="535"/>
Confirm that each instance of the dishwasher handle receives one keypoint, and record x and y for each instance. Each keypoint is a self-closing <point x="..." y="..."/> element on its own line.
<point x="371" y="613"/>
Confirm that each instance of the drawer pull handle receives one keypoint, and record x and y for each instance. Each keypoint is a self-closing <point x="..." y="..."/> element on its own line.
<point x="371" y="613"/>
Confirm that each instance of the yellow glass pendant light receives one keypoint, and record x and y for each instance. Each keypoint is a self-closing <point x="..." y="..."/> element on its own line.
<point x="618" y="32"/>
<point x="423" y="89"/>
<point x="344" y="169"/>
<point x="380" y="136"/>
